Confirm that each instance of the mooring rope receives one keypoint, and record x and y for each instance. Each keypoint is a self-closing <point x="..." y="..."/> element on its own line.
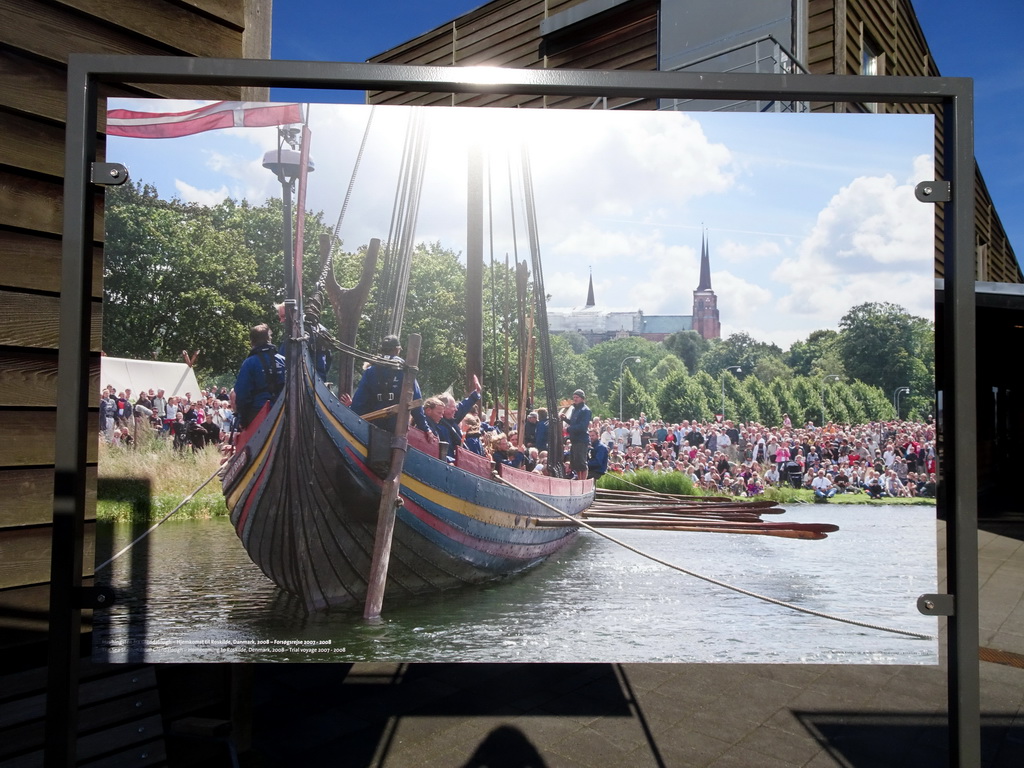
<point x="716" y="582"/>
<point x="163" y="520"/>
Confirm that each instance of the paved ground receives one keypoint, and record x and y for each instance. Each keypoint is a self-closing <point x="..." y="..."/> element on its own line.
<point x="725" y="716"/>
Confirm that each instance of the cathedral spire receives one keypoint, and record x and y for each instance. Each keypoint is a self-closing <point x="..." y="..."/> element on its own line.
<point x="705" y="266"/>
<point x="590" y="291"/>
<point x="706" y="320"/>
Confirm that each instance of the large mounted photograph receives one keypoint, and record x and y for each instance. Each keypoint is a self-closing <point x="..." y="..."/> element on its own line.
<point x="420" y="384"/>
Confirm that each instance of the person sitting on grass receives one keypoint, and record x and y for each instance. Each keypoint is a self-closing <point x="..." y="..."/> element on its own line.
<point x="823" y="486"/>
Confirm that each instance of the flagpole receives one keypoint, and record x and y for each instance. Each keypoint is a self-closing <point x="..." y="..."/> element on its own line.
<point x="300" y="221"/>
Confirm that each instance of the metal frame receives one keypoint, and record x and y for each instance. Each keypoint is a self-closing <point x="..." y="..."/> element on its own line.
<point x="957" y="384"/>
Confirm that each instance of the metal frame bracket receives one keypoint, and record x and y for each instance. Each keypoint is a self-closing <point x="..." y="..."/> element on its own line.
<point x="934" y="191"/>
<point x="108" y="174"/>
<point x="937" y="605"/>
<point x="92" y="598"/>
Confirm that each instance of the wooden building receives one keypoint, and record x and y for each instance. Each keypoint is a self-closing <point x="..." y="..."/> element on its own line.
<point x="36" y="37"/>
<point x="851" y="37"/>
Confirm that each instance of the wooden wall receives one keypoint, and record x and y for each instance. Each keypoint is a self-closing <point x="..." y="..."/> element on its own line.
<point x="36" y="37"/>
<point x="507" y="33"/>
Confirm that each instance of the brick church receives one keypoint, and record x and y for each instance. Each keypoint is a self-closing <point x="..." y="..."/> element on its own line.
<point x="597" y="324"/>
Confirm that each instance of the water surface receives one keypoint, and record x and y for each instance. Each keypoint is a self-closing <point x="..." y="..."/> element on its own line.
<point x="190" y="593"/>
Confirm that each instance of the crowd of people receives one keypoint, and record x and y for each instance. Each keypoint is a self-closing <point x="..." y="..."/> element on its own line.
<point x="879" y="459"/>
<point x="188" y="421"/>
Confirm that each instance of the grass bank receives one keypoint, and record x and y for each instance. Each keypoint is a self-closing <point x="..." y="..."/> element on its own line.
<point x="675" y="482"/>
<point x="145" y="482"/>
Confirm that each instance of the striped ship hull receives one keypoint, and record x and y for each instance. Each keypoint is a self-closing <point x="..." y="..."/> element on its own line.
<point x="304" y="485"/>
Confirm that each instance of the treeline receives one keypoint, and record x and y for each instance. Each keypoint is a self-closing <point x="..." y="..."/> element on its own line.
<point x="180" y="276"/>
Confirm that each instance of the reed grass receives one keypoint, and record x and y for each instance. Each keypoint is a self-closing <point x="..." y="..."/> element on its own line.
<point x="144" y="482"/>
<point x="660" y="482"/>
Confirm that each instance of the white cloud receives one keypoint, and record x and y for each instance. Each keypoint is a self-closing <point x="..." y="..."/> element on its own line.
<point x="733" y="252"/>
<point x="872" y="242"/>
<point x="190" y="194"/>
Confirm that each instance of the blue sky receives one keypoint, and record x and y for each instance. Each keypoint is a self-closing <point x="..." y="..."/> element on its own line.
<point x="805" y="216"/>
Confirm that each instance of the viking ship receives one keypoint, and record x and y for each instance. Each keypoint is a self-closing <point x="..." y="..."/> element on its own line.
<point x="305" y="483"/>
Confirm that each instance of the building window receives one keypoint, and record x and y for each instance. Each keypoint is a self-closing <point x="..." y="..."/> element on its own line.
<point x="872" y="62"/>
<point x="871" y="57"/>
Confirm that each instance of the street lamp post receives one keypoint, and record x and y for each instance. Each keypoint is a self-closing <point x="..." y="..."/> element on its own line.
<point x="823" y="380"/>
<point x="621" y="368"/>
<point x="896" y="399"/>
<point x="727" y="368"/>
<point x="286" y="165"/>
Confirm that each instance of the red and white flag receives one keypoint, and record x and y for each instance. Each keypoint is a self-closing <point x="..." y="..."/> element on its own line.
<point x="223" y="114"/>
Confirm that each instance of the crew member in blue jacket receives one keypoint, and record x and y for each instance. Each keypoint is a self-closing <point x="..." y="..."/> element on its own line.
<point x="261" y="377"/>
<point x="381" y="386"/>
<point x="579" y="434"/>
<point x="597" y="464"/>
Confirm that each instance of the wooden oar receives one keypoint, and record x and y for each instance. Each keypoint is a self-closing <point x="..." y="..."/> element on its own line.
<point x="671" y="524"/>
<point x="669" y="519"/>
<point x="379" y="414"/>
<point x="673" y="511"/>
<point x="785" y="533"/>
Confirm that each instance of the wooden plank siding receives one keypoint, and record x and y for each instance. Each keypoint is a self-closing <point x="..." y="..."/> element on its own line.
<point x="507" y="33"/>
<point x="36" y="37"/>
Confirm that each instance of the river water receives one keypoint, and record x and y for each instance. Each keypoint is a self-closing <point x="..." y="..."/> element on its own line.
<point x="190" y="593"/>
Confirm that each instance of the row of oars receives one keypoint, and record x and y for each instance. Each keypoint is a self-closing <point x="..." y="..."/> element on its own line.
<point x="650" y="510"/>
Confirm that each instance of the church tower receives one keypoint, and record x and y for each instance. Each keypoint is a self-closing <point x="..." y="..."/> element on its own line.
<point x="705" y="303"/>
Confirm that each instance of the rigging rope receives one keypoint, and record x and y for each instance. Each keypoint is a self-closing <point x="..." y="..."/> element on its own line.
<point x="540" y="298"/>
<point x="352" y="180"/>
<point x="716" y="582"/>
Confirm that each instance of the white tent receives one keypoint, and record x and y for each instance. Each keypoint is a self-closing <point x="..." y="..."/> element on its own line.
<point x="137" y="375"/>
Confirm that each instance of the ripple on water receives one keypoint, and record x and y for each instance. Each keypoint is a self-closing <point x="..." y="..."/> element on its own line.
<point x="597" y="602"/>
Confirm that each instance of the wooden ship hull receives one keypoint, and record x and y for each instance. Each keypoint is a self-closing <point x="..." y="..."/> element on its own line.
<point x="304" y="486"/>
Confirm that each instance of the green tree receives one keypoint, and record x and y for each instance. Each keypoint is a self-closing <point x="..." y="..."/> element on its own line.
<point x="884" y="346"/>
<point x="855" y="409"/>
<point x="876" y="405"/>
<point x="670" y="395"/>
<point x="771" y="367"/>
<point x="819" y="354"/>
<point x="809" y="403"/>
<point x="667" y="366"/>
<point x="577" y="341"/>
<point x="635" y="399"/>
<point x="173" y="282"/>
<point x="681" y="397"/>
<point x="435" y="308"/>
<point x="834" y="403"/>
<point x="767" y="405"/>
<point x="572" y="372"/>
<point x="712" y="390"/>
<point x="607" y="360"/>
<point x="688" y="346"/>
<point x="788" y="402"/>
<point x="737" y="349"/>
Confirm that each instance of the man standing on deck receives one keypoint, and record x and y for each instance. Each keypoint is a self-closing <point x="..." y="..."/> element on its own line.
<point x="579" y="434"/>
<point x="381" y="387"/>
<point x="261" y="377"/>
<point x="597" y="464"/>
